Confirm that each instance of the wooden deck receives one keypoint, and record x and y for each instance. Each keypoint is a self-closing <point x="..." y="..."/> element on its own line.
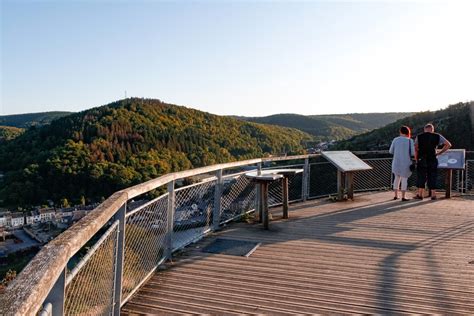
<point x="373" y="255"/>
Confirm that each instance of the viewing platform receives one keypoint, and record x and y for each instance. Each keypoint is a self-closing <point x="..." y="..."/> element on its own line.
<point x="142" y="251"/>
<point x="372" y="255"/>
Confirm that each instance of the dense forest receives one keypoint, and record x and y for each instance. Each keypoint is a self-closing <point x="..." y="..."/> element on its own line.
<point x="91" y="154"/>
<point x="30" y="119"/>
<point x="322" y="127"/>
<point x="330" y="127"/>
<point x="454" y="123"/>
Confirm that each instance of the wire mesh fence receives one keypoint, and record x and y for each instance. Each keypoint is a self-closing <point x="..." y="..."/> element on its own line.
<point x="457" y="180"/>
<point x="295" y="190"/>
<point x="90" y="285"/>
<point x="275" y="194"/>
<point x="238" y="197"/>
<point x="295" y="186"/>
<point x="322" y="179"/>
<point x="441" y="180"/>
<point x="193" y="212"/>
<point x="469" y="177"/>
<point x="378" y="178"/>
<point x="145" y="236"/>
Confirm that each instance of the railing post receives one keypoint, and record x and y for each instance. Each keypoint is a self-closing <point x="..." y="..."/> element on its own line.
<point x="463" y="181"/>
<point x="305" y="187"/>
<point x="54" y="302"/>
<point x="457" y="180"/>
<point x="120" y="256"/>
<point x="216" y="213"/>
<point x="170" y="220"/>
<point x="466" y="178"/>
<point x="258" y="211"/>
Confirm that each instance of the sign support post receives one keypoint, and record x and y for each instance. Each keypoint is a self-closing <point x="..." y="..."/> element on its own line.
<point x="346" y="163"/>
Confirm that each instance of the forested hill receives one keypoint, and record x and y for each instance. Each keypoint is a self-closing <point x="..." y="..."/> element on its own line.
<point x="361" y="122"/>
<point x="30" y="119"/>
<point x="454" y="122"/>
<point x="329" y="127"/>
<point x="99" y="151"/>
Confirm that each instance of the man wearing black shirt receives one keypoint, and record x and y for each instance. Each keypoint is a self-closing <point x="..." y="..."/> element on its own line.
<point x="426" y="157"/>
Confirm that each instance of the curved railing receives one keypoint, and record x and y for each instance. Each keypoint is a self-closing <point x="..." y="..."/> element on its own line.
<point x="96" y="265"/>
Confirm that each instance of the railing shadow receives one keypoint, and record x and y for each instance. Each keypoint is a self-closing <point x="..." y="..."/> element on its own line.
<point x="335" y="222"/>
<point x="436" y="278"/>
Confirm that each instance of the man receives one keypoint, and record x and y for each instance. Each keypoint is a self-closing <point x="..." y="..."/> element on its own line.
<point x="426" y="157"/>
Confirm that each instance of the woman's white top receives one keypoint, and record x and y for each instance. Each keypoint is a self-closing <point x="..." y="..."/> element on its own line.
<point x="400" y="149"/>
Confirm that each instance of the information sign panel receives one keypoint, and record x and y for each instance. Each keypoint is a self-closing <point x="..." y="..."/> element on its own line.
<point x="452" y="159"/>
<point x="345" y="161"/>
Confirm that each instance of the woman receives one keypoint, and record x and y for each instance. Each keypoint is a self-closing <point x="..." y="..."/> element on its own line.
<point x="402" y="149"/>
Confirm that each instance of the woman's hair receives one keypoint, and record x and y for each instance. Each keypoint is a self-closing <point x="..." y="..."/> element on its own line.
<point x="405" y="130"/>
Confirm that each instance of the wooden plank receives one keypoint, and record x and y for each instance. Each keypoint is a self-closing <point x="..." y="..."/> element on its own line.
<point x="371" y="256"/>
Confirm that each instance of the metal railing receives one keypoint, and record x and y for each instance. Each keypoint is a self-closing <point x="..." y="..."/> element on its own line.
<point x="89" y="286"/>
<point x="467" y="181"/>
<point x="99" y="263"/>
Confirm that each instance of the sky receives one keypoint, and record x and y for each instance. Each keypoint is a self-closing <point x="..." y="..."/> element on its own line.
<point x="251" y="58"/>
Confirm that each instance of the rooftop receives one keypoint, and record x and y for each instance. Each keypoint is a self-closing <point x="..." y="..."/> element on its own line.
<point x="372" y="255"/>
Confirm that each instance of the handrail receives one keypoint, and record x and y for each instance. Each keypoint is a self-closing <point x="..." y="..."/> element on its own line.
<point x="29" y="290"/>
<point x="144" y="187"/>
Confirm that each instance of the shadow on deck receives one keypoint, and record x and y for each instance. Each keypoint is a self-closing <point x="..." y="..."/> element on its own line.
<point x="373" y="255"/>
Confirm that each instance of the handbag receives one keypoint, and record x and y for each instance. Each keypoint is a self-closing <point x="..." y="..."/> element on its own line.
<point x="413" y="162"/>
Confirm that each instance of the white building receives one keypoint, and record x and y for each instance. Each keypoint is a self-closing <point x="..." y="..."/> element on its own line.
<point x="47" y="214"/>
<point x="33" y="218"/>
<point x="29" y="219"/>
<point x="17" y="220"/>
<point x="4" y="218"/>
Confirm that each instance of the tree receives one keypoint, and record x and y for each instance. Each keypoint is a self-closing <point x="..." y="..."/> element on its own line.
<point x="64" y="203"/>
